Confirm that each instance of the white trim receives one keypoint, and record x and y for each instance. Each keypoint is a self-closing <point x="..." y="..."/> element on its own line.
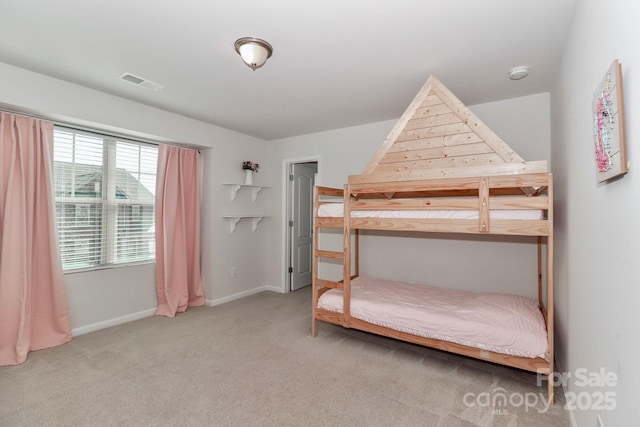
<point x="113" y="322"/>
<point x="218" y="301"/>
<point x="81" y="330"/>
<point x="572" y="415"/>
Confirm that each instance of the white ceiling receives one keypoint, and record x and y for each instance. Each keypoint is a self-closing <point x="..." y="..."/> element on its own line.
<point x="336" y="63"/>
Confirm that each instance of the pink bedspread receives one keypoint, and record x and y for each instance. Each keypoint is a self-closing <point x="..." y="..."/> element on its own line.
<point x="501" y="323"/>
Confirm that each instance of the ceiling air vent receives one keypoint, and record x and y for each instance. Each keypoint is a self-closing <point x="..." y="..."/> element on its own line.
<point x="139" y="81"/>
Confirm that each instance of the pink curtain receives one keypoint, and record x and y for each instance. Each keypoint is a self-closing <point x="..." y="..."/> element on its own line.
<point x="178" y="279"/>
<point x="34" y="312"/>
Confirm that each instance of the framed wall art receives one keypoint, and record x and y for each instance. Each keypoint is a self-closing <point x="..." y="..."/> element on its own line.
<point x="608" y="125"/>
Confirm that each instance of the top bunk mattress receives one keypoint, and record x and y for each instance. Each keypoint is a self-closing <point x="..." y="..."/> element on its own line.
<point x="506" y="324"/>
<point x="336" y="210"/>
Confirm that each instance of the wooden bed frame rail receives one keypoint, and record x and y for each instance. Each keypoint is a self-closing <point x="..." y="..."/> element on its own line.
<point x="479" y="194"/>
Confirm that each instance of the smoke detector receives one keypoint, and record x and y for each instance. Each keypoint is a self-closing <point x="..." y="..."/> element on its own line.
<point x="139" y="81"/>
<point x="517" y="73"/>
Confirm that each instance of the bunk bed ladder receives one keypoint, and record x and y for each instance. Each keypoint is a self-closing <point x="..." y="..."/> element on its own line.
<point x="319" y="285"/>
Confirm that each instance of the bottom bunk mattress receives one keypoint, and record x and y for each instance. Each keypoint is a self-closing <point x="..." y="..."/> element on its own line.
<point x="501" y="323"/>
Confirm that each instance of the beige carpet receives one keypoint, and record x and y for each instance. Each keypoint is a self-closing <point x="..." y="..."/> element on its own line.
<point x="253" y="362"/>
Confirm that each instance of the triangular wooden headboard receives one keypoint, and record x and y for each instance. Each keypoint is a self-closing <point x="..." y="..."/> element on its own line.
<point x="439" y="137"/>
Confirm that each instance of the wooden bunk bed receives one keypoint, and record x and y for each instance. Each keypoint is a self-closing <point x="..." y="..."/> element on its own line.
<point x="440" y="170"/>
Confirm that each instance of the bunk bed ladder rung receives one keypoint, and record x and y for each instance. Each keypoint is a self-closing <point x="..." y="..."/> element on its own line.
<point x="329" y="284"/>
<point x="330" y="254"/>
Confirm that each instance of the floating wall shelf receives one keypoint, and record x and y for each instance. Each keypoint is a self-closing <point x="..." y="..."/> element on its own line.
<point x="234" y="219"/>
<point x="255" y="189"/>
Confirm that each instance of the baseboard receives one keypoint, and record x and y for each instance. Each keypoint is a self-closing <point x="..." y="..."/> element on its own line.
<point x="572" y="418"/>
<point x="218" y="301"/>
<point x="150" y="312"/>
<point x="274" y="289"/>
<point x="572" y="415"/>
<point x="113" y="322"/>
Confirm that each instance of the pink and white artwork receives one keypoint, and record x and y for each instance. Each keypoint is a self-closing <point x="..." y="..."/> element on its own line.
<point x="608" y="125"/>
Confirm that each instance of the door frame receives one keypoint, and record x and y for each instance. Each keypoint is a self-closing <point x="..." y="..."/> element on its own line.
<point x="286" y="206"/>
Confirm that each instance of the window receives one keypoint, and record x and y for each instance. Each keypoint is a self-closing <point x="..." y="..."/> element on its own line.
<point x="105" y="193"/>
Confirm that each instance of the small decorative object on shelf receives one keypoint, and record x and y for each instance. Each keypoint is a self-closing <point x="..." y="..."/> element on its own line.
<point x="249" y="168"/>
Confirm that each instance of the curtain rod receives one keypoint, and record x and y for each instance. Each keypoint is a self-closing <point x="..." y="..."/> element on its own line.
<point x="75" y="126"/>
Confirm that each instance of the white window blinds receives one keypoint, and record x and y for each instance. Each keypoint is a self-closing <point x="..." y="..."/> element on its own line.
<point x="105" y="190"/>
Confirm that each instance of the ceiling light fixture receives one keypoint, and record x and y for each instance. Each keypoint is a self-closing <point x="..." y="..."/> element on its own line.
<point x="518" y="73"/>
<point x="254" y="52"/>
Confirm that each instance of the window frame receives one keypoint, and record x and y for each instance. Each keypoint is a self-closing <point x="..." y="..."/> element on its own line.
<point x="110" y="203"/>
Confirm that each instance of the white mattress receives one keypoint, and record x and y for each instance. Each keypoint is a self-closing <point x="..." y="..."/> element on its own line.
<point x="336" y="210"/>
<point x="506" y="324"/>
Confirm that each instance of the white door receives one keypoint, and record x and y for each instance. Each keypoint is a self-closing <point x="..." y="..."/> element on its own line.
<point x="301" y="223"/>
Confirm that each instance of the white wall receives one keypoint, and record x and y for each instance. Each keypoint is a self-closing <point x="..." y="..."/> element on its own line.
<point x="243" y="249"/>
<point x="106" y="297"/>
<point x="340" y="153"/>
<point x="501" y="265"/>
<point x="597" y="229"/>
